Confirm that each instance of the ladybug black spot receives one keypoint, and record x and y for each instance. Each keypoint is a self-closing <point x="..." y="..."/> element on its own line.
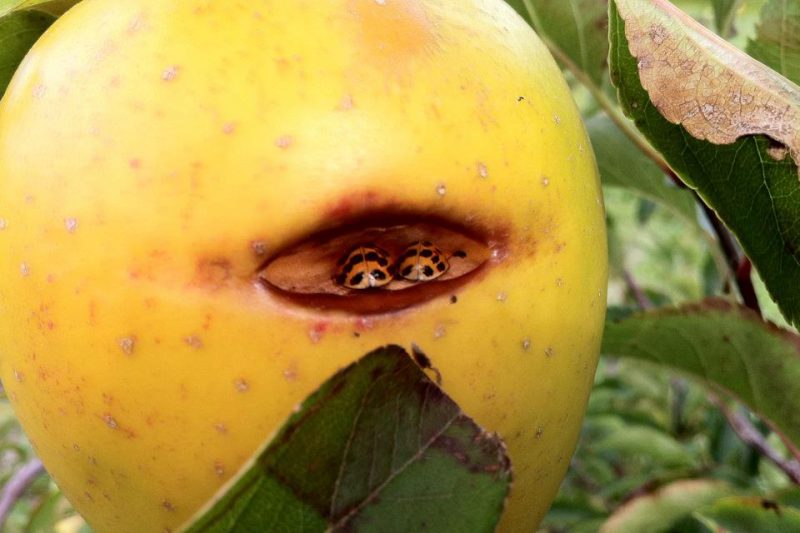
<point x="407" y="271"/>
<point x="378" y="274"/>
<point x="435" y="258"/>
<point x="460" y="253"/>
<point x="357" y="279"/>
<point x="382" y="261"/>
<point x="356" y="260"/>
<point x="372" y="256"/>
<point x="341" y="279"/>
<point x="440" y="267"/>
<point x="426" y="253"/>
<point x="428" y="271"/>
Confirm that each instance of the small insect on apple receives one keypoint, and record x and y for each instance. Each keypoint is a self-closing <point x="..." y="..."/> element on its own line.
<point x="423" y="261"/>
<point x="365" y="267"/>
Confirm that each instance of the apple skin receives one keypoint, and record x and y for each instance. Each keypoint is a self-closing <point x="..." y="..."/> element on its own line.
<point x="154" y="154"/>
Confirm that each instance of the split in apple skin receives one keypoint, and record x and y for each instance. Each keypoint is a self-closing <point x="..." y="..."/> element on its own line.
<point x="306" y="273"/>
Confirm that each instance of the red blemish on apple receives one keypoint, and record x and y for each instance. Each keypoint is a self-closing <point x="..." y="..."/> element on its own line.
<point x="353" y="205"/>
<point x="317" y="331"/>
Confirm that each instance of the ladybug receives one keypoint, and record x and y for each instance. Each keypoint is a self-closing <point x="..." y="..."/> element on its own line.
<point x="364" y="267"/>
<point x="422" y="261"/>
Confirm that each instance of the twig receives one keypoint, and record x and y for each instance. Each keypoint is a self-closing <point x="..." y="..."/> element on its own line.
<point x="745" y="283"/>
<point x="746" y="431"/>
<point x="739" y="264"/>
<point x="16" y="486"/>
<point x="639" y="295"/>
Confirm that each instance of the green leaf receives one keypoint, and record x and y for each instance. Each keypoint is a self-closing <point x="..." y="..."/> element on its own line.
<point x="712" y="111"/>
<point x="51" y="7"/>
<point x="574" y="30"/>
<point x="18" y="31"/>
<point x="724" y="344"/>
<point x="622" y="164"/>
<point x="744" y="515"/>
<point x="662" y="509"/>
<point x="777" y="42"/>
<point x="22" y="22"/>
<point x="379" y="447"/>
<point x="643" y="441"/>
<point x="724" y="11"/>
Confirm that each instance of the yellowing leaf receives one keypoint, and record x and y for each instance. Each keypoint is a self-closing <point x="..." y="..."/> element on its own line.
<point x="712" y="89"/>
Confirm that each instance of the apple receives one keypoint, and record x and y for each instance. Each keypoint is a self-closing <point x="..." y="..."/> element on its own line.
<point x="179" y="182"/>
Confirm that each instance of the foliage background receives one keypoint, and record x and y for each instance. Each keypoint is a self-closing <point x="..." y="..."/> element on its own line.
<point x="655" y="446"/>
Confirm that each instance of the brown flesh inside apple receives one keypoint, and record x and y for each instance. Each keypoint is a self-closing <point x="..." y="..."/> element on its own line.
<point x="306" y="273"/>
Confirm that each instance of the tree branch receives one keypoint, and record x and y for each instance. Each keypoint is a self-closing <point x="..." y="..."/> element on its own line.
<point x="639" y="295"/>
<point x="746" y="431"/>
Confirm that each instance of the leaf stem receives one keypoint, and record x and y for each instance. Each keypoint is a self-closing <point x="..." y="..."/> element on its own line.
<point x="606" y="104"/>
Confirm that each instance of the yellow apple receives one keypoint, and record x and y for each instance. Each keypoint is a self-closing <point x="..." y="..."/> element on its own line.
<point x="156" y="158"/>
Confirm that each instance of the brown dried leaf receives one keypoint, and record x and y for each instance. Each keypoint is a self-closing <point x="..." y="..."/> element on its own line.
<point x="696" y="79"/>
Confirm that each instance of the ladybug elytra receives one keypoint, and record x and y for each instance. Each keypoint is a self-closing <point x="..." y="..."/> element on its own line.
<point x="364" y="267"/>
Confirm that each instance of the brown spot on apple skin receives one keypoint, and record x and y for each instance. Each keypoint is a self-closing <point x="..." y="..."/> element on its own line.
<point x="212" y="273"/>
<point x="111" y="422"/>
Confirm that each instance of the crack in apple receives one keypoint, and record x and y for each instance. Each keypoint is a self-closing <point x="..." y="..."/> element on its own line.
<point x="308" y="273"/>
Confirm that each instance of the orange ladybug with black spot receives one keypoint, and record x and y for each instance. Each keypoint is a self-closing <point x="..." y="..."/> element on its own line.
<point x="423" y="261"/>
<point x="366" y="266"/>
